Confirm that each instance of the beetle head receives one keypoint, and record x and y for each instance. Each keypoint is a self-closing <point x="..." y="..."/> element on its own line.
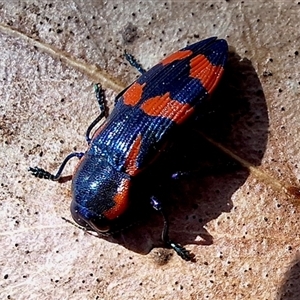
<point x="100" y="194"/>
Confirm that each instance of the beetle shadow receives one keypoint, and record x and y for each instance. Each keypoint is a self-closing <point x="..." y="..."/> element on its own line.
<point x="236" y="117"/>
<point x="290" y="288"/>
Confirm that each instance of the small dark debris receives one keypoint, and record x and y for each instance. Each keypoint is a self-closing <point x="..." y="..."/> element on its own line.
<point x="161" y="256"/>
<point x="129" y="33"/>
<point x="267" y="73"/>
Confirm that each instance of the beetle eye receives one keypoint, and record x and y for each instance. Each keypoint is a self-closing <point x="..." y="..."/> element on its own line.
<point x="85" y="218"/>
<point x="79" y="219"/>
<point x="99" y="225"/>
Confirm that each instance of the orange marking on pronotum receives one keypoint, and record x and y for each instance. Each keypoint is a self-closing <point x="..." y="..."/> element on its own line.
<point x="164" y="106"/>
<point x="131" y="167"/>
<point x="121" y="201"/>
<point x="133" y="95"/>
<point x="176" y="56"/>
<point x="208" y="74"/>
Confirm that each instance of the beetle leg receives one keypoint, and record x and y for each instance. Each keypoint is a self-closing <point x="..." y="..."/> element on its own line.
<point x="100" y="96"/>
<point x="180" y="250"/>
<point x="130" y="58"/>
<point x="218" y="168"/>
<point x="41" y="173"/>
<point x="180" y="174"/>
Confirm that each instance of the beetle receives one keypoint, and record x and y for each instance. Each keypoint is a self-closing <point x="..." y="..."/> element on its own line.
<point x="134" y="135"/>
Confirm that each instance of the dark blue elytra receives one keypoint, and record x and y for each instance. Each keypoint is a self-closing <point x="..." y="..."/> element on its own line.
<point x="130" y="139"/>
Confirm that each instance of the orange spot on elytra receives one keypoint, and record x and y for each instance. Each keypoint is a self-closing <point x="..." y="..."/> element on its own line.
<point x="164" y="106"/>
<point x="133" y="95"/>
<point x="121" y="201"/>
<point x="176" y="56"/>
<point x="208" y="74"/>
<point x="131" y="167"/>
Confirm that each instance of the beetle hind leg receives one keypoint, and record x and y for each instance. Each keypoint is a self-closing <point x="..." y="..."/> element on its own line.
<point x="180" y="250"/>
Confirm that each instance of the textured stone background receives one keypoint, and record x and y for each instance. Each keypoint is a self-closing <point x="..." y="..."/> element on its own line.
<point x="242" y="225"/>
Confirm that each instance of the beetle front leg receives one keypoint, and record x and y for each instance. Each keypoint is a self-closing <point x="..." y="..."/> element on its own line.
<point x="180" y="250"/>
<point x="41" y="173"/>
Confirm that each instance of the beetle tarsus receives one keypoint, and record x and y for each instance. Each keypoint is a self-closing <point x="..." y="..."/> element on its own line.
<point x="100" y="96"/>
<point x="41" y="173"/>
<point x="180" y="250"/>
<point x="133" y="62"/>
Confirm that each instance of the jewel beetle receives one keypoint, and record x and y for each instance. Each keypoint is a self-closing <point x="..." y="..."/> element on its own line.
<point x="132" y="137"/>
